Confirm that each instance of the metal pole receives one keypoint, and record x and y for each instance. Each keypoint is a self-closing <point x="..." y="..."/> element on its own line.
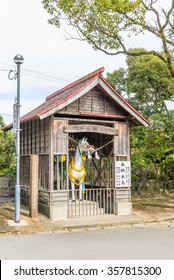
<point x="17" y="188"/>
<point x="18" y="59"/>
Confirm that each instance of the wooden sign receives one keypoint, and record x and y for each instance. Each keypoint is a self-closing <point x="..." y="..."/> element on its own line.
<point x="123" y="173"/>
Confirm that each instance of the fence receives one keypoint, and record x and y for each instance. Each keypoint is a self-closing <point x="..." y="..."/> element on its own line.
<point x="95" y="201"/>
<point x="99" y="201"/>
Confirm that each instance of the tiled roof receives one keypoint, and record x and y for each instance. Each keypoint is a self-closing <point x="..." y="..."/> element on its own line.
<point x="71" y="91"/>
<point x="62" y="95"/>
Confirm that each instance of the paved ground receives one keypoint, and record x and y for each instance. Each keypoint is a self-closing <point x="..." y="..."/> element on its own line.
<point x="127" y="242"/>
<point x="144" y="212"/>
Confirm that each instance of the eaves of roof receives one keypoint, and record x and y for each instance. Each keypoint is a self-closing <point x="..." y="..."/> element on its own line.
<point x="69" y="93"/>
<point x="60" y="96"/>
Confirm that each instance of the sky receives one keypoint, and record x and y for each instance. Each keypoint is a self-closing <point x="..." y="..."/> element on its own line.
<point x="50" y="61"/>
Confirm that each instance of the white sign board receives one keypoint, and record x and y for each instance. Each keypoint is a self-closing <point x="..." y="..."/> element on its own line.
<point x="123" y="173"/>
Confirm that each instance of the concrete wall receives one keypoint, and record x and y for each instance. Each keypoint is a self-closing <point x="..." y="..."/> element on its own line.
<point x="6" y="189"/>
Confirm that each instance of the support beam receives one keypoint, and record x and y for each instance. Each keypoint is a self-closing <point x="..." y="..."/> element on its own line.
<point x="102" y="169"/>
<point x="99" y="173"/>
<point x="34" y="179"/>
<point x="90" y="128"/>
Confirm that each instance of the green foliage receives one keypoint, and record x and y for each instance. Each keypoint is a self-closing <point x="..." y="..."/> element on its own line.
<point x="148" y="84"/>
<point x="7" y="151"/>
<point x="98" y="21"/>
<point x="108" y="25"/>
<point x="152" y="150"/>
<point x="146" y="81"/>
<point x="2" y="124"/>
<point x="118" y="79"/>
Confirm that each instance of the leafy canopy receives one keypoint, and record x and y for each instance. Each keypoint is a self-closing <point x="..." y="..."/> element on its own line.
<point x="146" y="83"/>
<point x="108" y="24"/>
<point x="152" y="150"/>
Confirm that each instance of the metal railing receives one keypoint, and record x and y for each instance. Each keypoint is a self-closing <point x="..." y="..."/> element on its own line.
<point x="97" y="201"/>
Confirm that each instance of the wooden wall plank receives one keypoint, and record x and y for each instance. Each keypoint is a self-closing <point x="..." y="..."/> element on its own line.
<point x="93" y="101"/>
<point x="60" y="139"/>
<point x="29" y="138"/>
<point x="35" y="137"/>
<point x="25" y="170"/>
<point x="121" y="146"/>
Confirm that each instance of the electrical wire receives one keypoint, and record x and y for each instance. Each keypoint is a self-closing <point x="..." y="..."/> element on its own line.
<point x="5" y="70"/>
<point x="43" y="75"/>
<point x="40" y="75"/>
<point x="6" y="115"/>
<point x="25" y="85"/>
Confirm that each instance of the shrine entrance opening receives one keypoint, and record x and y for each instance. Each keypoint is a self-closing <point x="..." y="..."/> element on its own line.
<point x="96" y="197"/>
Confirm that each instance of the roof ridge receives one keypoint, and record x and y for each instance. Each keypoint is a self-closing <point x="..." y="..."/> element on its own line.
<point x="86" y="77"/>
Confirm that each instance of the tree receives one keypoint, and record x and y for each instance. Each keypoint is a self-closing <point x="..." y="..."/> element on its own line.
<point x="146" y="81"/>
<point x="2" y="124"/>
<point x="108" y="24"/>
<point x="148" y="84"/>
<point x="152" y="151"/>
<point x="118" y="79"/>
<point x="7" y="151"/>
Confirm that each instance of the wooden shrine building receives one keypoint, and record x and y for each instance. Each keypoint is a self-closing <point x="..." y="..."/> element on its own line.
<point x="88" y="107"/>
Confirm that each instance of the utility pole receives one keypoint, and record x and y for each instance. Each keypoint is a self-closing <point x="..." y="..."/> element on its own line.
<point x="18" y="59"/>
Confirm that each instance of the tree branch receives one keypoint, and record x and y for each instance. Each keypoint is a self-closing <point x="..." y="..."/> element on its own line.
<point x="168" y="15"/>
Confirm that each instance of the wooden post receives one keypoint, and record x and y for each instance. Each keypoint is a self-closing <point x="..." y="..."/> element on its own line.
<point x="34" y="176"/>
<point x="122" y="186"/>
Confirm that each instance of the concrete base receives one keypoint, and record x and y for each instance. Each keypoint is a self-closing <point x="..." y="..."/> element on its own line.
<point x="58" y="212"/>
<point x="123" y="208"/>
<point x="12" y="223"/>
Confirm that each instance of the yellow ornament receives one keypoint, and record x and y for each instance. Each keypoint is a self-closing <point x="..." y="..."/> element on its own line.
<point x="62" y="157"/>
<point x="84" y="158"/>
<point x="79" y="179"/>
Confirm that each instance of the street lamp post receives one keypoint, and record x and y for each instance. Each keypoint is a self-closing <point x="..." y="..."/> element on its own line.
<point x="18" y="59"/>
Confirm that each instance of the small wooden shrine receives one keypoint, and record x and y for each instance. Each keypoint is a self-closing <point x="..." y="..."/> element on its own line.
<point x="90" y="108"/>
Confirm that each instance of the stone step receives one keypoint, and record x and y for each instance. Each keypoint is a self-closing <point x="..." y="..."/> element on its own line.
<point x="86" y="212"/>
<point x="84" y="208"/>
